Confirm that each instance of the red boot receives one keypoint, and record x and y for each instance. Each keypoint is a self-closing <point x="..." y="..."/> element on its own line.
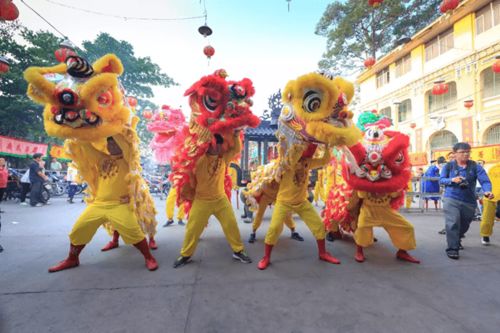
<point x="266" y="260"/>
<point x="151" y="263"/>
<point x="403" y="255"/>
<point x="113" y="244"/>
<point x="152" y="243"/>
<point x="71" y="261"/>
<point x="325" y="256"/>
<point x="359" y="256"/>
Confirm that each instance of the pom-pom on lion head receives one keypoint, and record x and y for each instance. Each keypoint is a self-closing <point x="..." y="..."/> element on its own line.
<point x="82" y="101"/>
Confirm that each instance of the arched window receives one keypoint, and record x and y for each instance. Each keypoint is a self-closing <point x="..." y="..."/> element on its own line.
<point x="442" y="102"/>
<point x="404" y="110"/>
<point x="386" y="112"/>
<point x="492" y="135"/>
<point x="490" y="83"/>
<point x="442" y="140"/>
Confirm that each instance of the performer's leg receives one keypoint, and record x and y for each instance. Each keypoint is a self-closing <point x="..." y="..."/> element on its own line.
<point x="113" y="244"/>
<point x="311" y="218"/>
<point x="273" y="233"/>
<point x="125" y="222"/>
<point x="181" y="214"/>
<point x="169" y="206"/>
<point x="290" y="223"/>
<point x="198" y="218"/>
<point x="402" y="236"/>
<point x="487" y="220"/>
<point x="225" y="214"/>
<point x="264" y="202"/>
<point x="82" y="232"/>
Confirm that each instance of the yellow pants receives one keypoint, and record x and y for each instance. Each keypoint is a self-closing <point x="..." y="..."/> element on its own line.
<point x="306" y="212"/>
<point x="120" y="216"/>
<point x="198" y="219"/>
<point x="408" y="201"/>
<point x="171" y="202"/>
<point x="264" y="202"/>
<point x="399" y="229"/>
<point x="488" y="219"/>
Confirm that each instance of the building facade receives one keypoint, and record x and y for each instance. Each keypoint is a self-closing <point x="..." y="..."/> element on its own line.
<point x="457" y="49"/>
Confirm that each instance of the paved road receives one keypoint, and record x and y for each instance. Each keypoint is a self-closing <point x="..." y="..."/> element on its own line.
<point x="113" y="292"/>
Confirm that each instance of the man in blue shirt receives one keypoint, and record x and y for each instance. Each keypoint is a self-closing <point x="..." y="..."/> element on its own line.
<point x="459" y="178"/>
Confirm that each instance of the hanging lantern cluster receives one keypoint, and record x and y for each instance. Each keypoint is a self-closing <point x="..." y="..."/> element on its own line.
<point x="4" y="65"/>
<point x="65" y="50"/>
<point x="132" y="102"/>
<point x="205" y="31"/>
<point x="468" y="104"/>
<point x="448" y="5"/>
<point x="8" y="11"/>
<point x="496" y="65"/>
<point x="369" y="62"/>
<point x="375" y="3"/>
<point x="440" y="88"/>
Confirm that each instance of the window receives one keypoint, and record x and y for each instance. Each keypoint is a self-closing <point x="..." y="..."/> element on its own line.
<point x="383" y="77"/>
<point x="386" y="112"/>
<point x="487" y="17"/>
<point x="439" y="45"/>
<point x="443" y="140"/>
<point x="490" y="83"/>
<point x="403" y="65"/>
<point x="404" y="110"/>
<point x="442" y="102"/>
<point x="493" y="135"/>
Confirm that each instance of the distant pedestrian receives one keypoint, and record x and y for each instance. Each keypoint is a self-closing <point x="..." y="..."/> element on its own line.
<point x="56" y="166"/>
<point x="432" y="186"/>
<point x="25" y="187"/>
<point x="37" y="177"/>
<point x="71" y="178"/>
<point x="4" y="177"/>
<point x="459" y="178"/>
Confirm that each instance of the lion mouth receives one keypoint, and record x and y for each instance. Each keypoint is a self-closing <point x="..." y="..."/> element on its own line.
<point x="76" y="118"/>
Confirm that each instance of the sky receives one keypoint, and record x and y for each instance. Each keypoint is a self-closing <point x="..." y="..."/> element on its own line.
<point x="258" y="39"/>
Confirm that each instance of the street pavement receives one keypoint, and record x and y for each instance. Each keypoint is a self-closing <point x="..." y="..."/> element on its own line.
<point x="113" y="291"/>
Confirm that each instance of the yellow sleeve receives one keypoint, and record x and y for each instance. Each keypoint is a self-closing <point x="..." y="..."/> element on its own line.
<point x="319" y="162"/>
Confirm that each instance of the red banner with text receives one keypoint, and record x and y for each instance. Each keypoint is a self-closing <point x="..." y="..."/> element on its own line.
<point x="21" y="148"/>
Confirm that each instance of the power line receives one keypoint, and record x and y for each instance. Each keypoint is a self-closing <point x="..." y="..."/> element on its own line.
<point x="136" y="18"/>
<point x="43" y="18"/>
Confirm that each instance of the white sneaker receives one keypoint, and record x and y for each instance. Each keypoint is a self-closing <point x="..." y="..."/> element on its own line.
<point x="485" y="241"/>
<point x="24" y="204"/>
<point x="38" y="205"/>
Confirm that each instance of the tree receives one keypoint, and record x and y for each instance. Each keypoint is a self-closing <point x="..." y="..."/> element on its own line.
<point x="22" y="118"/>
<point x="355" y="31"/>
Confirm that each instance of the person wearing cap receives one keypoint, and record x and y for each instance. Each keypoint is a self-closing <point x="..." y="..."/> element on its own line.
<point x="37" y="177"/>
<point x="459" y="178"/>
<point x="432" y="186"/>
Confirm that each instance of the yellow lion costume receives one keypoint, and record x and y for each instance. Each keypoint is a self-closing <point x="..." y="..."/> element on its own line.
<point x="85" y="104"/>
<point x="314" y="113"/>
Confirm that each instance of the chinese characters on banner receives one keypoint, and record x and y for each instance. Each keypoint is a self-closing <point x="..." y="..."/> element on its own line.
<point x="21" y="148"/>
<point x="467" y="134"/>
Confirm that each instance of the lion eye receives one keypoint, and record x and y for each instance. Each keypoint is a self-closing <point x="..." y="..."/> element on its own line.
<point x="400" y="158"/>
<point x="105" y="99"/>
<point x="312" y="101"/>
<point x="209" y="103"/>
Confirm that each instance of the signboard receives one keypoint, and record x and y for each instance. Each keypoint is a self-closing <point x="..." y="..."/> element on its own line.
<point x="20" y="148"/>
<point x="489" y="154"/>
<point x="418" y="159"/>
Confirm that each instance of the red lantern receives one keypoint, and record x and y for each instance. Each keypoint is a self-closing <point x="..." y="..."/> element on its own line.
<point x="63" y="53"/>
<point x="4" y="65"/>
<point x="8" y="11"/>
<point x="209" y="51"/>
<point x="147" y="114"/>
<point x="496" y="65"/>
<point x="369" y="62"/>
<point x="374" y="111"/>
<point x="132" y="101"/>
<point x="413" y="125"/>
<point x="440" y="88"/>
<point x="468" y="103"/>
<point x="448" y="5"/>
<point x="375" y="3"/>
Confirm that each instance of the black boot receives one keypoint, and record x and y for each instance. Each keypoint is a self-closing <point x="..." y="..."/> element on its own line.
<point x="180" y="222"/>
<point x="181" y="261"/>
<point x="329" y="237"/>
<point x="252" y="238"/>
<point x="297" y="236"/>
<point x="169" y="222"/>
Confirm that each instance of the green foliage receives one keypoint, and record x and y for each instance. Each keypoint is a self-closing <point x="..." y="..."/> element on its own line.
<point x="22" y="118"/>
<point x="355" y="31"/>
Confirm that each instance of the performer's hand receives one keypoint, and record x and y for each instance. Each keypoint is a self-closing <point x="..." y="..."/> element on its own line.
<point x="489" y="195"/>
<point x="456" y="180"/>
